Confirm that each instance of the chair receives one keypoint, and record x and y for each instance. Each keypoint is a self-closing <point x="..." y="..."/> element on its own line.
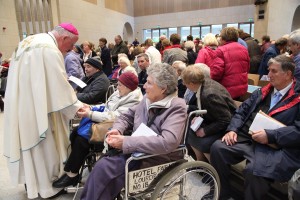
<point x="254" y="77"/>
<point x="263" y="83"/>
<point x="111" y="89"/>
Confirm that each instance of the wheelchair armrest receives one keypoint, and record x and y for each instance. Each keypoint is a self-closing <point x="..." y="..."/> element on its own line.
<point x="139" y="155"/>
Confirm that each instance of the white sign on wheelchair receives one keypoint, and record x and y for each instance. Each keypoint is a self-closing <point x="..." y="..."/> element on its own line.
<point x="139" y="180"/>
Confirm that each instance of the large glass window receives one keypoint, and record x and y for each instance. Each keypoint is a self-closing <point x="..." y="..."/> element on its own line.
<point x="236" y="25"/>
<point x="204" y="30"/>
<point x="216" y="29"/>
<point x="184" y="32"/>
<point x="147" y="34"/>
<point x="155" y="35"/>
<point x="163" y="31"/>
<point x="171" y="31"/>
<point x="245" y="28"/>
<point x="196" y="32"/>
<point x="252" y="30"/>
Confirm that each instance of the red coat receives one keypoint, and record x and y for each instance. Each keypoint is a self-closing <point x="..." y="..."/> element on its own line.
<point x="231" y="68"/>
<point x="207" y="56"/>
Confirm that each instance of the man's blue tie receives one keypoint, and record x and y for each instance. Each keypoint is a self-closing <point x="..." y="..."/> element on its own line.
<point x="275" y="99"/>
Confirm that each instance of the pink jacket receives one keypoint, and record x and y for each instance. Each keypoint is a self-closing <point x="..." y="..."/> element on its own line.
<point x="207" y="56"/>
<point x="231" y="68"/>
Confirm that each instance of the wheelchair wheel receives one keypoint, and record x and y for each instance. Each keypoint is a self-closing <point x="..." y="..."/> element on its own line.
<point x="188" y="181"/>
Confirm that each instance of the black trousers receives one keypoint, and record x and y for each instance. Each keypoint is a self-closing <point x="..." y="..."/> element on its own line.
<point x="80" y="149"/>
<point x="223" y="156"/>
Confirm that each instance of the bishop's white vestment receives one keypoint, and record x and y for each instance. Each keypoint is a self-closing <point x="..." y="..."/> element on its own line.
<point x="39" y="102"/>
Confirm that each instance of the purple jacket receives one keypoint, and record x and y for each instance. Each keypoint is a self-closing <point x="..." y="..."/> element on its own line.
<point x="169" y="125"/>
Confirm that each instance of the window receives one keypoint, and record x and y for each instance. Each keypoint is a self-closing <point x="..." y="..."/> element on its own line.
<point x="184" y="32"/>
<point x="163" y="31"/>
<point x="252" y="30"/>
<point x="245" y="28"/>
<point x="155" y="35"/>
<point x="236" y="25"/>
<point x="171" y="31"/>
<point x="196" y="32"/>
<point x="204" y="30"/>
<point x="216" y="29"/>
<point x="147" y="34"/>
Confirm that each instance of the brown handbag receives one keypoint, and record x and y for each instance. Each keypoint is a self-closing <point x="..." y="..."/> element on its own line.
<point x="98" y="130"/>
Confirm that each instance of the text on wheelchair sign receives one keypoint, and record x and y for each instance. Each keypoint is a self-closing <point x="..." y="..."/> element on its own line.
<point x="139" y="180"/>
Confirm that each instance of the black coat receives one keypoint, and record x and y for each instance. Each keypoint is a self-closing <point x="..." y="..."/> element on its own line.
<point x="96" y="89"/>
<point x="106" y="61"/>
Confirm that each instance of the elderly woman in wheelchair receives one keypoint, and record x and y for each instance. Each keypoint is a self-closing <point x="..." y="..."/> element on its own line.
<point x="160" y="110"/>
<point x="127" y="95"/>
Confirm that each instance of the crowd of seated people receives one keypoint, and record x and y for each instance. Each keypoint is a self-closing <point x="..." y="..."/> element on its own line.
<point x="166" y="72"/>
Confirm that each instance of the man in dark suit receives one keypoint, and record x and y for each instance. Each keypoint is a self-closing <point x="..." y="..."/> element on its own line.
<point x="265" y="164"/>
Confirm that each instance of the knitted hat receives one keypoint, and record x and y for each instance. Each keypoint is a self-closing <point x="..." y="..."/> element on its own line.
<point x="129" y="79"/>
<point x="69" y="27"/>
<point x="94" y="62"/>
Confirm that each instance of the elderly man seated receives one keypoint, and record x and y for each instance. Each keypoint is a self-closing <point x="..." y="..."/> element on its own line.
<point x="265" y="163"/>
<point x="163" y="112"/>
<point x="97" y="83"/>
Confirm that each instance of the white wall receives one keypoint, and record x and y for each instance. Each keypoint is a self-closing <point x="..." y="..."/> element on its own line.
<point x="93" y="21"/>
<point x="9" y="37"/>
<point x="281" y="15"/>
<point x="206" y="16"/>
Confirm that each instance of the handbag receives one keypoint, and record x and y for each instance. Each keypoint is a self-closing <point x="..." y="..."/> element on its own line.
<point x="99" y="130"/>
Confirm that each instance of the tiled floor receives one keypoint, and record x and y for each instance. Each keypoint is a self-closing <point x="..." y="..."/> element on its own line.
<point x="7" y="190"/>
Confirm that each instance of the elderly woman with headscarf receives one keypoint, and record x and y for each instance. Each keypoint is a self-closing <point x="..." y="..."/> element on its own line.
<point x="127" y="95"/>
<point x="97" y="83"/>
<point x="165" y="110"/>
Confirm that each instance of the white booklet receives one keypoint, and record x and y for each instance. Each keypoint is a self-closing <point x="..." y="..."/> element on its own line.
<point x="197" y="123"/>
<point x="143" y="130"/>
<point x="77" y="81"/>
<point x="264" y="121"/>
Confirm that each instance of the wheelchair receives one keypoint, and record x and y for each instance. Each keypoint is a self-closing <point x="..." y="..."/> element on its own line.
<point x="184" y="179"/>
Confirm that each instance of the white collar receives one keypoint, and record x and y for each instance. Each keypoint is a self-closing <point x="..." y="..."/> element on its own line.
<point x="53" y="37"/>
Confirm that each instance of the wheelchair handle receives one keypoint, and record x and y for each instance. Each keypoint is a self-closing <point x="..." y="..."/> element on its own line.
<point x="197" y="112"/>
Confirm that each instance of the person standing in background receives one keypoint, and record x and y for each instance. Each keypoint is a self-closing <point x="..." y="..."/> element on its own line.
<point x="105" y="57"/>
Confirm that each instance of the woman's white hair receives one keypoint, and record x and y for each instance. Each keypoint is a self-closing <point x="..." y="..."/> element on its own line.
<point x="164" y="76"/>
<point x="124" y="60"/>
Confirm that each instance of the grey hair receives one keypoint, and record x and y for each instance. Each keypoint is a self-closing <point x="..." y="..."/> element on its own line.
<point x="286" y="62"/>
<point x="164" y="76"/>
<point x="124" y="60"/>
<point x="294" y="36"/>
<point x="61" y="31"/>
<point x="204" y="68"/>
<point x="179" y="65"/>
<point x="189" y="45"/>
